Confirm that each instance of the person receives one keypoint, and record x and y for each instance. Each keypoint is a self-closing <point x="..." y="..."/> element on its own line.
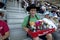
<point x="49" y="22"/>
<point x="53" y="13"/>
<point x="38" y="3"/>
<point x="22" y="4"/>
<point x="54" y="17"/>
<point x="59" y="25"/>
<point x="32" y="17"/>
<point x="58" y="12"/>
<point x="32" y="1"/>
<point x="18" y="1"/>
<point x="56" y="34"/>
<point x="42" y="10"/>
<point x="25" y="3"/>
<point x="5" y="2"/>
<point x="32" y="11"/>
<point x="4" y="29"/>
<point x="55" y="20"/>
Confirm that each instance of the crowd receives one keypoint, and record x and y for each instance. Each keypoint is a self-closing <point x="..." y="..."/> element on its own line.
<point x="43" y="7"/>
<point x="51" y="16"/>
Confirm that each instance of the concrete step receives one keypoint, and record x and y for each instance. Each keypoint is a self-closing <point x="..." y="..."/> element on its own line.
<point x="15" y="8"/>
<point x="15" y="26"/>
<point x="12" y="4"/>
<point x="16" y="15"/>
<point x="14" y="21"/>
<point x="17" y="34"/>
<point x="15" y="11"/>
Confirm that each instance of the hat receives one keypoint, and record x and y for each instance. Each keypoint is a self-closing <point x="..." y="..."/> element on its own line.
<point x="50" y="7"/>
<point x="55" y="16"/>
<point x="57" y="10"/>
<point x="43" y="7"/>
<point x="54" y="7"/>
<point x="47" y="12"/>
<point x="32" y="6"/>
<point x="53" y="11"/>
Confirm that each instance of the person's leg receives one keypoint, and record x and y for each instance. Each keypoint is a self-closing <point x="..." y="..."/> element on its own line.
<point x="56" y="35"/>
<point x="6" y="39"/>
<point x="36" y="38"/>
<point x="43" y="37"/>
<point x="49" y="36"/>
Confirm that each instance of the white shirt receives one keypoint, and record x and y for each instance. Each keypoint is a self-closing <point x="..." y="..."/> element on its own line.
<point x="49" y="22"/>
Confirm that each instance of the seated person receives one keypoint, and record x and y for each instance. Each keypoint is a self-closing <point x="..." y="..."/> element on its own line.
<point x="56" y="34"/>
<point x="53" y="13"/>
<point x="42" y="9"/>
<point x="55" y="20"/>
<point x="49" y="22"/>
<point x="58" y="13"/>
<point x="59" y="25"/>
<point x="4" y="29"/>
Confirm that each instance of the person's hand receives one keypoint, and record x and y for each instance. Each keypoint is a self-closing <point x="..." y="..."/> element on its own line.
<point x="1" y="37"/>
<point x="26" y="29"/>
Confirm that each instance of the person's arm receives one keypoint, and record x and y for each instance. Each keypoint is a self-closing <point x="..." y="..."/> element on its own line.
<point x="26" y="29"/>
<point x="6" y="31"/>
<point x="6" y="35"/>
<point x="25" y="23"/>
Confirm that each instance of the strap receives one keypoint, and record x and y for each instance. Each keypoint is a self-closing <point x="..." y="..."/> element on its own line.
<point x="29" y="20"/>
<point x="36" y="17"/>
